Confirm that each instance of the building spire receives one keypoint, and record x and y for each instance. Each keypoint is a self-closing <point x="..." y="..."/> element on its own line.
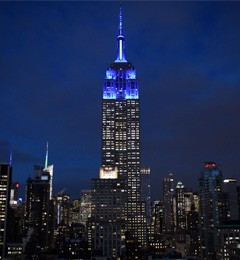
<point x="10" y="157"/>
<point x="120" y="39"/>
<point x="46" y="158"/>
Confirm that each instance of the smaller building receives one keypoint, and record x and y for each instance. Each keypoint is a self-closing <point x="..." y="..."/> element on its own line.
<point x="5" y="184"/>
<point x="228" y="240"/>
<point x="106" y="222"/>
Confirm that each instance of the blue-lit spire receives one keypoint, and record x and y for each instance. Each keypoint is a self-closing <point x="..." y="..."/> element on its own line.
<point x="120" y="39"/>
<point x="10" y="158"/>
<point x="46" y="158"/>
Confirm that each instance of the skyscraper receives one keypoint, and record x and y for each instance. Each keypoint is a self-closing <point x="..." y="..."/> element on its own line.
<point x="5" y="187"/>
<point x="210" y="192"/>
<point x="121" y="135"/>
<point x="168" y="193"/>
<point x="121" y="146"/>
<point x="107" y="220"/>
<point x="180" y="206"/>
<point x="230" y="190"/>
<point x="38" y="208"/>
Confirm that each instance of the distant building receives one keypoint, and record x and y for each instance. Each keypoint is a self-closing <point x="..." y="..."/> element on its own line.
<point x="193" y="233"/>
<point x="75" y="211"/>
<point x="228" y="240"/>
<point x="62" y="208"/>
<point x="14" y="193"/>
<point x="155" y="231"/>
<point x="85" y="206"/>
<point x="5" y="184"/>
<point x="39" y="210"/>
<point x="210" y="192"/>
<point x="231" y="197"/>
<point x="168" y="193"/>
<point x="107" y="216"/>
<point x="180" y="206"/>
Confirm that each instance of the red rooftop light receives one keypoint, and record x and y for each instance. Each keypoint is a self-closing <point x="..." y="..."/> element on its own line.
<point x="210" y="164"/>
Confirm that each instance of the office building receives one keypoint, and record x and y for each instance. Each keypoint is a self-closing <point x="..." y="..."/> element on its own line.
<point x="180" y="206"/>
<point x="85" y="206"/>
<point x="168" y="194"/>
<point x="5" y="187"/>
<point x="210" y="192"/>
<point x="231" y="196"/>
<point x="62" y="208"/>
<point x="107" y="219"/>
<point x="39" y="209"/>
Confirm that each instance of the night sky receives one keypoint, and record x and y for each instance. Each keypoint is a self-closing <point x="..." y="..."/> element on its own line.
<point x="53" y="57"/>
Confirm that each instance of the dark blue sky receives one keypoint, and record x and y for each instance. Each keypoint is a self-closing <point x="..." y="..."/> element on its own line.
<point x="53" y="57"/>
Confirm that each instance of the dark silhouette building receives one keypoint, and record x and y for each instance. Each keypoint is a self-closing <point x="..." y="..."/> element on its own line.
<point x="210" y="199"/>
<point x="39" y="212"/>
<point x="5" y="187"/>
<point x="168" y="194"/>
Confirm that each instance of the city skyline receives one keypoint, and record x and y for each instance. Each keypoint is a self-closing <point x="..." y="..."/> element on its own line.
<point x="54" y="58"/>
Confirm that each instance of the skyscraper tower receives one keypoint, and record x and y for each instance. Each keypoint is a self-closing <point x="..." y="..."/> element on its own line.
<point x="180" y="206"/>
<point x="168" y="193"/>
<point x="210" y="192"/>
<point x="38" y="208"/>
<point x="121" y="135"/>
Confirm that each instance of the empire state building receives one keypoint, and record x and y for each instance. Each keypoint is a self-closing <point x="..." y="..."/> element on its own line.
<point x="121" y="145"/>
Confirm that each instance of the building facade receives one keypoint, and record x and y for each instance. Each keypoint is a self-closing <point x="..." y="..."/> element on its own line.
<point x="121" y="152"/>
<point x="210" y="193"/>
<point x="5" y="187"/>
<point x="107" y="220"/>
<point x="39" y="210"/>
<point x="146" y="190"/>
<point x="168" y="194"/>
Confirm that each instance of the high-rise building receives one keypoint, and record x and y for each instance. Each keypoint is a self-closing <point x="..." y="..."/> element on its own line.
<point x="121" y="135"/>
<point x="230" y="190"/>
<point x="192" y="235"/>
<point x="62" y="208"/>
<point x="39" y="209"/>
<point x="210" y="195"/>
<point x="168" y="193"/>
<point x="85" y="206"/>
<point x="5" y="187"/>
<point x="155" y="230"/>
<point x="180" y="206"/>
<point x="107" y="220"/>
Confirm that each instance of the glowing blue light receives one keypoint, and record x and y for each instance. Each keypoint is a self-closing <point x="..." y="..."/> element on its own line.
<point x="120" y="50"/>
<point x="131" y="74"/>
<point x="114" y="88"/>
<point x="110" y="74"/>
